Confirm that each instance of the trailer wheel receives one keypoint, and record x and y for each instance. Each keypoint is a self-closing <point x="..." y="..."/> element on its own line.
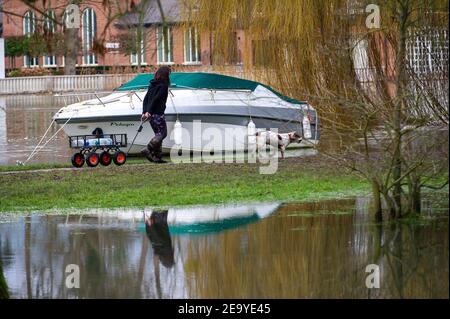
<point x="77" y="160"/>
<point x="105" y="158"/>
<point x="92" y="159"/>
<point x="120" y="158"/>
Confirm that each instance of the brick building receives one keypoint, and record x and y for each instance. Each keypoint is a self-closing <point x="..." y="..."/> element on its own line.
<point x="172" y="45"/>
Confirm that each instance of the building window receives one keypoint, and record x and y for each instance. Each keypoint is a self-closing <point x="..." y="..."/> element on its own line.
<point x="29" y="23"/>
<point x="89" y="30"/>
<point x="134" y="56"/>
<point x="49" y="22"/>
<point x="191" y="46"/>
<point x="427" y="51"/>
<point x="49" y="61"/>
<point x="164" y="45"/>
<point x="427" y="62"/>
<point x="49" y="28"/>
<point x="29" y="27"/>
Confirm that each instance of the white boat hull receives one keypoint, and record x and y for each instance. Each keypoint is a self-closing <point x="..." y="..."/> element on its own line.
<point x="211" y="120"/>
<point x="196" y="137"/>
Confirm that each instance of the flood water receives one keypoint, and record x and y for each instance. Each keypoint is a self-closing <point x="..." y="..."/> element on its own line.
<point x="269" y="250"/>
<point x="23" y="121"/>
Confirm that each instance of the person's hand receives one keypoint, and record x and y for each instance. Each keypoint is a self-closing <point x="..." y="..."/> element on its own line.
<point x="145" y="116"/>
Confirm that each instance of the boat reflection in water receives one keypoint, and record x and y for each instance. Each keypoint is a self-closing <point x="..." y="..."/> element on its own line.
<point x="160" y="224"/>
<point x="209" y="219"/>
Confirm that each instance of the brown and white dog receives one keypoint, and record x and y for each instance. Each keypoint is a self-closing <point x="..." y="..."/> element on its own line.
<point x="282" y="141"/>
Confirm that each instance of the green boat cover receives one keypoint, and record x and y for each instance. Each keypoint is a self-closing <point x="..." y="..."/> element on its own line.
<point x="201" y="80"/>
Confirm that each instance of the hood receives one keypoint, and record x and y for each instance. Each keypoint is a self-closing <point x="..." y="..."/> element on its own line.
<point x="154" y="82"/>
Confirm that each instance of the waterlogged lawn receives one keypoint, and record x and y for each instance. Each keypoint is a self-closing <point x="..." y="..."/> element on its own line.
<point x="297" y="179"/>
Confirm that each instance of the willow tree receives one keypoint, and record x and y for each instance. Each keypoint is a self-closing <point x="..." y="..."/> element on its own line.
<point x="135" y="33"/>
<point x="375" y="103"/>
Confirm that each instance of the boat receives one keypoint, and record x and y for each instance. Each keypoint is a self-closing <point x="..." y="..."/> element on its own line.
<point x="214" y="113"/>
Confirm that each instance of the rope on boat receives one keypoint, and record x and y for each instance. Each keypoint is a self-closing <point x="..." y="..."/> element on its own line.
<point x="173" y="103"/>
<point x="40" y="141"/>
<point x="130" y="95"/>
<point x="38" y="146"/>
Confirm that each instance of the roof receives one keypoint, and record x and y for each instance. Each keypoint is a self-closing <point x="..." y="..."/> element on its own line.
<point x="201" y="80"/>
<point x="170" y="8"/>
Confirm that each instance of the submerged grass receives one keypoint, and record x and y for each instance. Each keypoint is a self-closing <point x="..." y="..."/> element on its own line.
<point x="297" y="179"/>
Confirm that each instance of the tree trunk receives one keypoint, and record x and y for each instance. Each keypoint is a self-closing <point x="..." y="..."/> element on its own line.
<point x="140" y="34"/>
<point x="378" y="212"/>
<point x="415" y="196"/>
<point x="139" y="46"/>
<point x="401" y="81"/>
<point x="72" y="48"/>
<point x="397" y="172"/>
<point x="390" y="204"/>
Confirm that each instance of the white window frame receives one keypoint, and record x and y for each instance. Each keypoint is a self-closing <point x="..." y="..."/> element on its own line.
<point x="160" y="45"/>
<point x="425" y="49"/>
<point x="29" y="27"/>
<point x="134" y="57"/>
<point x="189" y="58"/>
<point x="49" y="61"/>
<point x="88" y="37"/>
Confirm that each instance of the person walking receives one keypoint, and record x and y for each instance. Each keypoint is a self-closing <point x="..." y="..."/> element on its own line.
<point x="153" y="108"/>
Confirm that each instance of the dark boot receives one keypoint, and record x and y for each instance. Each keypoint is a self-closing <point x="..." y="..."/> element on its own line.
<point x="154" y="150"/>
<point x="149" y="151"/>
<point x="151" y="146"/>
<point x="145" y="152"/>
<point x="157" y="156"/>
<point x="150" y="155"/>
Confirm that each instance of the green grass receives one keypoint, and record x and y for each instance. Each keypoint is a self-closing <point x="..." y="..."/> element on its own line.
<point x="33" y="166"/>
<point x="297" y="179"/>
<point x="30" y="167"/>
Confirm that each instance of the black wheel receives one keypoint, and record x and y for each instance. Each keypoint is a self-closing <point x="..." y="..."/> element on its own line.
<point x="77" y="160"/>
<point x="92" y="159"/>
<point x="119" y="158"/>
<point x="105" y="158"/>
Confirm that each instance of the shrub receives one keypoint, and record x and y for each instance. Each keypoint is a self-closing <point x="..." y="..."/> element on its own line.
<point x="29" y="72"/>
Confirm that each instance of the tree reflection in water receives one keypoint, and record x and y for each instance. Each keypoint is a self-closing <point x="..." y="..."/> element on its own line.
<point x="4" y="293"/>
<point x="308" y="250"/>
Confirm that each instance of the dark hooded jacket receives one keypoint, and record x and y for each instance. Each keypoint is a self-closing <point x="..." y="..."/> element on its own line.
<point x="156" y="97"/>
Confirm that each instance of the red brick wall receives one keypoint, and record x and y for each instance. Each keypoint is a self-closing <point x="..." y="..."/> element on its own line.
<point x="13" y="26"/>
